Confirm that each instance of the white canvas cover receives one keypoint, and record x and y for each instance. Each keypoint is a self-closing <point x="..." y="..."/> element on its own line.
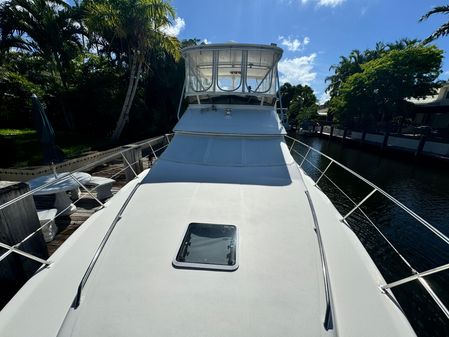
<point x="239" y="69"/>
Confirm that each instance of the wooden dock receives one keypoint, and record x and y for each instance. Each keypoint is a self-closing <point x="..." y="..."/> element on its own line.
<point x="86" y="205"/>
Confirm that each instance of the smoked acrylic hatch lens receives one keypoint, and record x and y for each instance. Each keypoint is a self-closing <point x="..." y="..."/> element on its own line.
<point x="208" y="246"/>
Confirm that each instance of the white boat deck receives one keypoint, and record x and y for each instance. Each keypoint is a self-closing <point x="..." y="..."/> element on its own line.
<point x="252" y="183"/>
<point x="246" y="180"/>
<point x="277" y="290"/>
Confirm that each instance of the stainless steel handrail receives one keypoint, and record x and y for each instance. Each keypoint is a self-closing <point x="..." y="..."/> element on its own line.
<point x="83" y="168"/>
<point x="415" y="275"/>
<point x="398" y="203"/>
<point x="328" y="317"/>
<point x="355" y="204"/>
<point x="77" y="300"/>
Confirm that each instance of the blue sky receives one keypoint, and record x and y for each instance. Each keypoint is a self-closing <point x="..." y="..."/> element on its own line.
<point x="313" y="33"/>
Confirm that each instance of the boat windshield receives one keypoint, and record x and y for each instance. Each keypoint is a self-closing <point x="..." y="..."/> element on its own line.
<point x="231" y="69"/>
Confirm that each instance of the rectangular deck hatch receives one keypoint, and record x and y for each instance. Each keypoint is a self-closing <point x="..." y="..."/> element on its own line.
<point x="208" y="246"/>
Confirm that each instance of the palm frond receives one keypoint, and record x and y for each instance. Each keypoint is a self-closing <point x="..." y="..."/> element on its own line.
<point x="443" y="30"/>
<point x="435" y="10"/>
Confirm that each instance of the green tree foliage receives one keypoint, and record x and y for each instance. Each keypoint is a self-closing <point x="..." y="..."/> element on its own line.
<point x="48" y="29"/>
<point x="300" y="101"/>
<point x="98" y="93"/>
<point x="130" y="31"/>
<point x="443" y="30"/>
<point x="162" y="90"/>
<point x="287" y="92"/>
<point x="45" y="28"/>
<point x="85" y="59"/>
<point x="376" y="88"/>
<point x="351" y="64"/>
<point x="16" y="90"/>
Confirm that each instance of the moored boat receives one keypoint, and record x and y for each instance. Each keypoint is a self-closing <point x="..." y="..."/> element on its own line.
<point x="224" y="236"/>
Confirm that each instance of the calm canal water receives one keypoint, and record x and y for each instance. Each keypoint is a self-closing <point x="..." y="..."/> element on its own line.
<point x="422" y="187"/>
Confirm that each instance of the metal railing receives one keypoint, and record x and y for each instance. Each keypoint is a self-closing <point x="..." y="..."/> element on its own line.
<point x="415" y="275"/>
<point x="328" y="316"/>
<point x="162" y="142"/>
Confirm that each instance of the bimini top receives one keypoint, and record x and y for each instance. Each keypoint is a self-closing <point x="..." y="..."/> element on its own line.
<point x="231" y="69"/>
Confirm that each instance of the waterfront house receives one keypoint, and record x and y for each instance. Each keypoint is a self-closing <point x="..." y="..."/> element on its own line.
<point x="433" y="111"/>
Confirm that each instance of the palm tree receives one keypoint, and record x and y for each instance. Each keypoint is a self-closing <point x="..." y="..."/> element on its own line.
<point x="443" y="30"/>
<point x="350" y="65"/>
<point x="357" y="58"/>
<point x="47" y="28"/>
<point x="372" y="54"/>
<point x="42" y="27"/>
<point x="129" y="31"/>
<point x="402" y="44"/>
<point x="345" y="68"/>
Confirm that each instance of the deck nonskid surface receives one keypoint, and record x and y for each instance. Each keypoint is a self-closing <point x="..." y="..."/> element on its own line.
<point x="276" y="291"/>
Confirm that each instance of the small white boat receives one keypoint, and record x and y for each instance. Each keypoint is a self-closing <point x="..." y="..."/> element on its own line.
<point x="224" y="236"/>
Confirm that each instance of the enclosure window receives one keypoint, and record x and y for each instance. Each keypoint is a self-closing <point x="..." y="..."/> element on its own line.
<point x="259" y="71"/>
<point x="229" y="69"/>
<point x="225" y="70"/>
<point x="201" y="71"/>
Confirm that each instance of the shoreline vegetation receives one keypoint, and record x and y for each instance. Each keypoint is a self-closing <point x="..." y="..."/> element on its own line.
<point x="108" y="72"/>
<point x="24" y="149"/>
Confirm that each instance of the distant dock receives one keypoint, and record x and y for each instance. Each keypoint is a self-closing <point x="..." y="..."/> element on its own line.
<point x="416" y="145"/>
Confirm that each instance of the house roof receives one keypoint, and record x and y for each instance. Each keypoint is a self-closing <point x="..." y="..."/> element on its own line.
<point x="440" y="98"/>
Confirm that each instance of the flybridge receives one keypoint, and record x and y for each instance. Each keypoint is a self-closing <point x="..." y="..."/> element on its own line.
<point x="231" y="69"/>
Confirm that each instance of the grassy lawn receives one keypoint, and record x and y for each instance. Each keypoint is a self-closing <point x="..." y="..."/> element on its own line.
<point x="22" y="147"/>
<point x="16" y="132"/>
<point x="75" y="150"/>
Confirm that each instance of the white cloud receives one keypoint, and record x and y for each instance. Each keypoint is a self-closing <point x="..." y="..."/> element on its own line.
<point x="206" y="41"/>
<point x="324" y="98"/>
<point x="324" y="3"/>
<point x="291" y="44"/>
<point x="297" y="70"/>
<point x="294" y="44"/>
<point x="330" y="3"/>
<point x="176" y="28"/>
